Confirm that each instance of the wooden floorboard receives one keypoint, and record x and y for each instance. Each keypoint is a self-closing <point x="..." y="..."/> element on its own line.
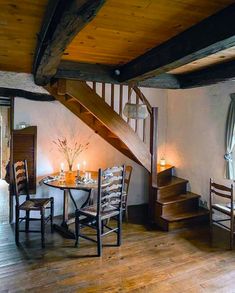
<point x="148" y="261"/>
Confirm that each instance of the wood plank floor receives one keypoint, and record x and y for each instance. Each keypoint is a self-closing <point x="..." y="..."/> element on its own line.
<point x="148" y="261"/>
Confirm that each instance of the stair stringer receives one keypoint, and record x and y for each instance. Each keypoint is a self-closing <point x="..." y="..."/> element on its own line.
<point x="103" y="120"/>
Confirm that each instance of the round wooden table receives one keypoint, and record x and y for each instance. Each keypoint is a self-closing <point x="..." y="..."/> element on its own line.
<point x="67" y="186"/>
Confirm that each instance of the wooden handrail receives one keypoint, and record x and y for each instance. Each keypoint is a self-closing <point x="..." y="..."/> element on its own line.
<point x="143" y="98"/>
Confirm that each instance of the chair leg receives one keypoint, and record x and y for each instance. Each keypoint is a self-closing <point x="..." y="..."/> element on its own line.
<point x="99" y="238"/>
<point x="43" y="227"/>
<point x="77" y="229"/>
<point x="27" y="221"/>
<point x="119" y="232"/>
<point x="126" y="214"/>
<point x="52" y="214"/>
<point x="17" y="226"/>
<point x="211" y="225"/>
<point x="231" y="233"/>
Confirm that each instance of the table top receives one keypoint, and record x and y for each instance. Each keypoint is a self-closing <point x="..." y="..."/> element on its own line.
<point x="70" y="182"/>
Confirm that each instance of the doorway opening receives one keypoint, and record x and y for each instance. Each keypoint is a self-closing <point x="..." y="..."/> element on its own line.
<point x="5" y="150"/>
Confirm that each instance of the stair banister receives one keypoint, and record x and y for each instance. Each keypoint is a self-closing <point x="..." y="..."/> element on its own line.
<point x="153" y="151"/>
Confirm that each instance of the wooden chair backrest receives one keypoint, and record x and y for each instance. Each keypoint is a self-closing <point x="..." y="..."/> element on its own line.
<point x="110" y="188"/>
<point x="221" y="191"/>
<point x="20" y="179"/>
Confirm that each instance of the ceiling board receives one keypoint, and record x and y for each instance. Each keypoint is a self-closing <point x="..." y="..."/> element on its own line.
<point x="123" y="30"/>
<point x="20" y="22"/>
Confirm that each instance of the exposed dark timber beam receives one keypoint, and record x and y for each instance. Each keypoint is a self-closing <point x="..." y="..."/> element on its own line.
<point x="9" y="92"/>
<point x="62" y="22"/>
<point x="103" y="73"/>
<point x="205" y="38"/>
<point x="211" y="75"/>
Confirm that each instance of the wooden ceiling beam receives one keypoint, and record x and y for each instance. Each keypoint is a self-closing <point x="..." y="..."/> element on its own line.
<point x="211" y="35"/>
<point x="103" y="73"/>
<point x="10" y="92"/>
<point x="62" y="22"/>
<point x="208" y="76"/>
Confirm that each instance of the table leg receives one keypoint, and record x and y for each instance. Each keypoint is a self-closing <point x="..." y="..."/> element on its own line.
<point x="65" y="208"/>
<point x="63" y="229"/>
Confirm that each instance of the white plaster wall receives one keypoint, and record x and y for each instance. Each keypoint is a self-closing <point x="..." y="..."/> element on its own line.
<point x="195" y="134"/>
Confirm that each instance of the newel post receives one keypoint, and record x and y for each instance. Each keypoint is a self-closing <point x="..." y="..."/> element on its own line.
<point x="153" y="151"/>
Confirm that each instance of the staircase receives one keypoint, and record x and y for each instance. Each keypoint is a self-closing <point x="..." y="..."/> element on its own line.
<point x="92" y="109"/>
<point x="174" y="205"/>
<point x="169" y="200"/>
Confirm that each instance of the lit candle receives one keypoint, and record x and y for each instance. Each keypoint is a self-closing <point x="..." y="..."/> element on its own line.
<point x="84" y="166"/>
<point x="62" y="167"/>
<point x="162" y="162"/>
<point x="78" y="166"/>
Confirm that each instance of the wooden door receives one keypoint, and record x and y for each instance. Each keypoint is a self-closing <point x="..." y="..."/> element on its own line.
<point x="25" y="147"/>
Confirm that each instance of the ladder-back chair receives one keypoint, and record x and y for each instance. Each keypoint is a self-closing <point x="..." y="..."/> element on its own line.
<point x="217" y="190"/>
<point x="107" y="206"/>
<point x="21" y="187"/>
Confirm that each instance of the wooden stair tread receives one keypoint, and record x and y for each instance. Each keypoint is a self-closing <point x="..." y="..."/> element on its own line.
<point x="172" y="181"/>
<point x="178" y="198"/>
<point x="186" y="215"/>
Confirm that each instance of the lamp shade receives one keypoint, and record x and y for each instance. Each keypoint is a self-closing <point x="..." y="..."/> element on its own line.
<point x="135" y="111"/>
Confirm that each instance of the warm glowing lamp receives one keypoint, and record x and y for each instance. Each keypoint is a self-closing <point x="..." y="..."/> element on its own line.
<point x="163" y="162"/>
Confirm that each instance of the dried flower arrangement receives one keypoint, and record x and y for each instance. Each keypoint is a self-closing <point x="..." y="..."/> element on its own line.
<point x="70" y="152"/>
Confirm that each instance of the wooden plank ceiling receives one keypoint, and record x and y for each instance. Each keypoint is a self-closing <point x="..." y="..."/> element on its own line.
<point x="20" y="22"/>
<point x="120" y="32"/>
<point x="123" y="30"/>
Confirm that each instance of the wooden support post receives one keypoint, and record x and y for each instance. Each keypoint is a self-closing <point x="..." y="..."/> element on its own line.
<point x="137" y="120"/>
<point x="103" y="90"/>
<point x="153" y="186"/>
<point x="120" y="99"/>
<point x="112" y="96"/>
<point x="94" y="86"/>
<point x="129" y="99"/>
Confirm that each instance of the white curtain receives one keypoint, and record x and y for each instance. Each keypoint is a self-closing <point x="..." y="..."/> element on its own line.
<point x="230" y="139"/>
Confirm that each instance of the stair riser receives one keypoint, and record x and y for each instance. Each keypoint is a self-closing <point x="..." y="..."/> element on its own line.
<point x="166" y="226"/>
<point x="164" y="176"/>
<point x="172" y="190"/>
<point x="180" y="207"/>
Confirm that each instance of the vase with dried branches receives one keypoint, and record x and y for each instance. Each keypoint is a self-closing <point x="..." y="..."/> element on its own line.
<point x="70" y="151"/>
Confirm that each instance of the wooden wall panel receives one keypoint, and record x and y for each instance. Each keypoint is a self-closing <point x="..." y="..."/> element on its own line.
<point x="25" y="147"/>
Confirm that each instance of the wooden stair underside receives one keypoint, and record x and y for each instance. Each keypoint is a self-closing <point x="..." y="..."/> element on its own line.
<point x="80" y="99"/>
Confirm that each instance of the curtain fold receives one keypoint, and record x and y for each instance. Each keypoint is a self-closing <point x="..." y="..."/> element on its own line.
<point x="229" y="139"/>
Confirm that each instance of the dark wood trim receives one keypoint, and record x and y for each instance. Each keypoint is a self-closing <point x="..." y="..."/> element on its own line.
<point x="9" y="92"/>
<point x="211" y="35"/>
<point x="103" y="73"/>
<point x="11" y="208"/>
<point x="154" y="143"/>
<point x="62" y="22"/>
<point x="211" y="75"/>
